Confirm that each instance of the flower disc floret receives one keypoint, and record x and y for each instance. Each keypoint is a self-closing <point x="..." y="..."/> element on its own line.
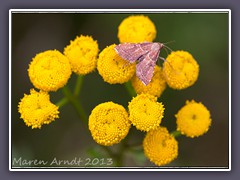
<point x="113" y="68"/>
<point x="36" y="109"/>
<point x="49" y="70"/>
<point x="136" y="29"/>
<point x="180" y="70"/>
<point x="82" y="54"/>
<point x="155" y="87"/>
<point x="145" y="112"/>
<point x="193" y="119"/>
<point x="160" y="147"/>
<point x="109" y="123"/>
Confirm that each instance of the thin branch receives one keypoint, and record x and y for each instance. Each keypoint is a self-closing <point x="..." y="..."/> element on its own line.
<point x="130" y="89"/>
<point x="76" y="104"/>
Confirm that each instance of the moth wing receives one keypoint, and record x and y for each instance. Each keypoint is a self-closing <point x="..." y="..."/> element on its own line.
<point x="133" y="51"/>
<point x="145" y="69"/>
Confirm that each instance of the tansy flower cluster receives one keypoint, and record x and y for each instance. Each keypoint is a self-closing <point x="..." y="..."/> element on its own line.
<point x="109" y="123"/>
<point x="180" y="71"/>
<point x="193" y="119"/>
<point x="145" y="112"/>
<point x="160" y="146"/>
<point x="36" y="109"/>
<point x="113" y="68"/>
<point x="49" y="71"/>
<point x="82" y="54"/>
<point x="155" y="87"/>
<point x="135" y="29"/>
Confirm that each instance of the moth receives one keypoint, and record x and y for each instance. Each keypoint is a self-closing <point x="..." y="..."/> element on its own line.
<point x="146" y="54"/>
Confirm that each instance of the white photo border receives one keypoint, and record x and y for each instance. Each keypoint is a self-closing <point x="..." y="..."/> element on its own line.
<point x="11" y="11"/>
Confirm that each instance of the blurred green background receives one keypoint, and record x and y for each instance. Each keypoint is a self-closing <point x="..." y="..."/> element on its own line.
<point x="204" y="35"/>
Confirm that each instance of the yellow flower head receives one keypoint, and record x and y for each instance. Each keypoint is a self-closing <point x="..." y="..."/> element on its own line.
<point x="109" y="123"/>
<point x="160" y="147"/>
<point x="193" y="119"/>
<point x="49" y="70"/>
<point x="113" y="68"/>
<point x="155" y="87"/>
<point x="82" y="54"/>
<point x="145" y="112"/>
<point x="181" y="70"/>
<point x="36" y="109"/>
<point x="136" y="29"/>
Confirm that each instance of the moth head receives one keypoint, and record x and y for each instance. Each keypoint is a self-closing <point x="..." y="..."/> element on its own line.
<point x="161" y="45"/>
<point x="156" y="46"/>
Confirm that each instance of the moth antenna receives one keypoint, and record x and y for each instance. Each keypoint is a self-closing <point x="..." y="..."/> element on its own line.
<point x="169" y="42"/>
<point x="164" y="45"/>
<point x="158" y="62"/>
<point x="167" y="47"/>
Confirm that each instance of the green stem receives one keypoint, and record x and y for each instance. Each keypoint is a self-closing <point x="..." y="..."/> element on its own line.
<point x="78" y="85"/>
<point x="119" y="160"/>
<point x="134" y="146"/>
<point x="130" y="89"/>
<point x="115" y="156"/>
<point x="118" y="156"/>
<point x="176" y="133"/>
<point x="73" y="100"/>
<point x="109" y="151"/>
<point x="62" y="102"/>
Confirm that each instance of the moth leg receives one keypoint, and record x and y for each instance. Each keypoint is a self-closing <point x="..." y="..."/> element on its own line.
<point x="174" y="70"/>
<point x="167" y="62"/>
<point x="162" y="59"/>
